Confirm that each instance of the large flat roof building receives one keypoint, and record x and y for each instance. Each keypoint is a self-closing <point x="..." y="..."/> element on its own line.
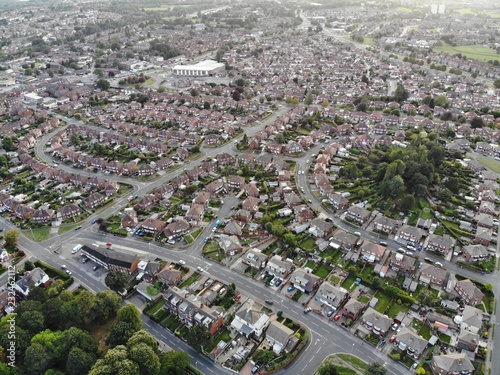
<point x="202" y="69"/>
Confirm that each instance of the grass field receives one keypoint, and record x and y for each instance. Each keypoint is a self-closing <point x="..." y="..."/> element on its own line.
<point x="469" y="11"/>
<point x="476" y="51"/>
<point x="367" y="41"/>
<point x="489" y="163"/>
<point x="67" y="228"/>
<point x="38" y="235"/>
<point x="404" y="10"/>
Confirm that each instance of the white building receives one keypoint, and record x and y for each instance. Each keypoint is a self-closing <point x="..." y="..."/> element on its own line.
<point x="202" y="69"/>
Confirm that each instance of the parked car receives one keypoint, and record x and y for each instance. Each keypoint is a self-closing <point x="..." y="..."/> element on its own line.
<point x="383" y="243"/>
<point x="329" y="313"/>
<point x="392" y="339"/>
<point x="237" y="298"/>
<point x="206" y="239"/>
<point x="307" y="310"/>
<point x="336" y="317"/>
<point x="272" y="282"/>
<point x="96" y="267"/>
<point x="439" y="264"/>
<point x="291" y="288"/>
<point x="278" y="282"/>
<point x="182" y="262"/>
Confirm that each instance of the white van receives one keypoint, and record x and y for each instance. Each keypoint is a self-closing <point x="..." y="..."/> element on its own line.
<point x="76" y="249"/>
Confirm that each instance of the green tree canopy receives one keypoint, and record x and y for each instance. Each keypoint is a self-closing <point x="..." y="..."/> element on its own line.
<point x="116" y="280"/>
<point x="173" y="362"/>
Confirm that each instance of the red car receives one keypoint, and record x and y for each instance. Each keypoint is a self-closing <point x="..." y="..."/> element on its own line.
<point x="237" y="298"/>
<point x="392" y="339"/>
<point x="336" y="317"/>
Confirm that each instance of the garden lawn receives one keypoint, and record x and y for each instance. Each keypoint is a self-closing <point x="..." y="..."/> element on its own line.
<point x="383" y="302"/>
<point x="38" y="235"/>
<point x="307" y="245"/>
<point x="191" y="279"/>
<point x="334" y="279"/>
<point x="395" y="309"/>
<point x="490" y="163"/>
<point x="425" y="332"/>
<point x="349" y="282"/>
<point x="322" y="271"/>
<point x="364" y="299"/>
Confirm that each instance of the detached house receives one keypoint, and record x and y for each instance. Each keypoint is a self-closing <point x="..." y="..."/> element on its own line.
<point x="248" y="321"/>
<point x="280" y="338"/>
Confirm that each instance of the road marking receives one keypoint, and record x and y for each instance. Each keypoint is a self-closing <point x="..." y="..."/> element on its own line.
<point x="311" y="359"/>
<point x="317" y="351"/>
<point x="315" y="324"/>
<point x="304" y="369"/>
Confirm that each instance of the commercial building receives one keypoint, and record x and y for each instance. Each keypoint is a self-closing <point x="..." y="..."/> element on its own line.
<point x="205" y="68"/>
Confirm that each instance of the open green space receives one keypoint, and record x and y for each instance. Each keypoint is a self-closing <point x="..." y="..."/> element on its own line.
<point x="66" y="228"/>
<point x="383" y="302"/>
<point x="395" y="309"/>
<point x="38" y="235"/>
<point x="490" y="163"/>
<point x="475" y="51"/>
<point x="354" y="361"/>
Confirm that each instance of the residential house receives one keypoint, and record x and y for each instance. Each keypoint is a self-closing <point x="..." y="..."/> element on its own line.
<point x="280" y="338"/>
<point x="475" y="253"/>
<point x="376" y="322"/>
<point x="254" y="258"/>
<point x="358" y="214"/>
<point x="451" y="364"/>
<point x="487" y="207"/>
<point x="432" y="275"/>
<point x="176" y="229"/>
<point x="385" y="224"/>
<point x="195" y="212"/>
<point x="484" y="220"/>
<point x="483" y="236"/>
<point x="338" y="201"/>
<point x="230" y="244"/>
<point x="202" y="198"/>
<point x="344" y="239"/>
<point x="353" y="309"/>
<point x="248" y="321"/>
<point x="371" y="252"/>
<point x="42" y="215"/>
<point x="69" y="211"/>
<point x="23" y="212"/>
<point x="304" y="281"/>
<point x="169" y="276"/>
<point x="145" y="170"/>
<point x="236" y="182"/>
<point x="333" y="297"/>
<point x="402" y="263"/>
<point x="251" y="204"/>
<point x="472" y="319"/>
<point x="409" y="341"/>
<point x="94" y="200"/>
<point x="442" y="244"/>
<point x="31" y="279"/>
<point x="469" y="292"/>
<point x="409" y="233"/>
<point x="129" y="218"/>
<point x="279" y="268"/>
<point x="320" y="228"/>
<point x="233" y="228"/>
<point x="112" y="260"/>
<point x="216" y="187"/>
<point x="468" y="340"/>
<point x="153" y="226"/>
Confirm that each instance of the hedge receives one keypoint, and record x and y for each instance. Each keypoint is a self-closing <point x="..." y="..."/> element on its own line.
<point x="51" y="271"/>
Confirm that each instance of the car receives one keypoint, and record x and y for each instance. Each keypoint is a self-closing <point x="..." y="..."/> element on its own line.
<point x="214" y="229"/>
<point x="237" y="298"/>
<point x="200" y="269"/>
<point x="429" y="260"/>
<point x="278" y="282"/>
<point x="235" y="141"/>
<point x="96" y="267"/>
<point x="392" y="339"/>
<point x="108" y="245"/>
<point x="439" y="264"/>
<point x="291" y="288"/>
<point x="310" y="201"/>
<point x="272" y="282"/>
<point x="357" y="234"/>
<point x="420" y="246"/>
<point x="182" y="262"/>
<point x="269" y="301"/>
<point x="207" y="283"/>
<point x="414" y="366"/>
<point x="383" y="243"/>
<point x="1" y="229"/>
<point x="307" y="161"/>
<point x="78" y="227"/>
<point x="420" y="265"/>
<point x="85" y="259"/>
<point x="336" y="317"/>
<point x="94" y="221"/>
<point x="68" y="272"/>
<point x="329" y="313"/>
<point x="255" y="369"/>
<point x="307" y="310"/>
<point x="395" y="326"/>
<point x="206" y="239"/>
<point x="63" y="266"/>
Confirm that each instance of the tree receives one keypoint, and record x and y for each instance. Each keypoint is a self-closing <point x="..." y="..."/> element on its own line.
<point x="263" y="356"/>
<point x="327" y="368"/>
<point x="120" y="333"/>
<point x="116" y="280"/>
<point x="131" y="315"/>
<point x="77" y="338"/>
<point x="79" y="362"/>
<point x="376" y="282"/>
<point x="308" y="99"/>
<point x="143" y="337"/>
<point x="392" y="291"/>
<point x="28" y="265"/>
<point x="107" y="304"/>
<point x="488" y="287"/>
<point x="401" y="94"/>
<point x="173" y="362"/>
<point x="420" y="371"/>
<point x="496" y="83"/>
<point x="426" y="297"/>
<point x="11" y="237"/>
<point x="116" y="362"/>
<point x="32" y="321"/>
<point x="146" y="358"/>
<point x="102" y="84"/>
<point x="407" y="203"/>
<point x="476" y="122"/>
<point x="376" y="369"/>
<point x="198" y="337"/>
<point x="36" y="359"/>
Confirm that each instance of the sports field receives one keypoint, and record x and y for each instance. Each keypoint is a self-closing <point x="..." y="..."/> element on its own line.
<point x="476" y="51"/>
